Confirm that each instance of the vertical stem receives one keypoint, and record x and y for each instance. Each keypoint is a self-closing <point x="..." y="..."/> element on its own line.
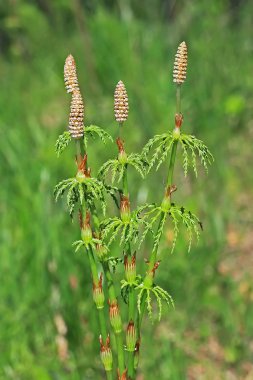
<point x="172" y="163"/>
<point x="153" y="257"/>
<point x="178" y="97"/>
<point x="170" y="172"/>
<point x="79" y="147"/>
<point x="121" y="355"/>
<point x="141" y="314"/>
<point x="113" y="298"/>
<point x="101" y="314"/>
<point x="130" y="365"/>
<point x="109" y="280"/>
<point x="131" y="305"/>
<point x="125" y="183"/>
<point x="109" y="375"/>
<point x="102" y="325"/>
<point x="131" y="296"/>
<point x="120" y="127"/>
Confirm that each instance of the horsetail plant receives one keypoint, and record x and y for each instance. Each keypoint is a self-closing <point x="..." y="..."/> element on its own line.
<point x="102" y="234"/>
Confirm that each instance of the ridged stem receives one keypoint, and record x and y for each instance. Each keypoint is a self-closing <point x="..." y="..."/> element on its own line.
<point x="178" y="97"/>
<point x="113" y="298"/>
<point x="121" y="354"/>
<point x="153" y="256"/>
<point x="109" y="375"/>
<point x="131" y="317"/>
<point x="78" y="150"/>
<point x="95" y="278"/>
<point x="101" y="312"/>
<point x="131" y="296"/>
<point x="93" y="264"/>
<point x="125" y="183"/>
<point x="109" y="281"/>
<point x="172" y="163"/>
<point x="131" y="310"/>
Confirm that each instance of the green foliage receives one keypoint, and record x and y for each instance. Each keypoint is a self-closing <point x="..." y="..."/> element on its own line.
<point x="150" y="214"/>
<point x="113" y="192"/>
<point x="162" y="145"/>
<point x="90" y="189"/>
<point x="188" y="219"/>
<point x="92" y="244"/>
<point x="192" y="146"/>
<point x="113" y="262"/>
<point x="89" y="131"/>
<point x="158" y="293"/>
<point x="117" y="167"/>
<point x="126" y="287"/>
<point x="62" y="142"/>
<point x="111" y="228"/>
<point x="129" y="231"/>
<point x="94" y="130"/>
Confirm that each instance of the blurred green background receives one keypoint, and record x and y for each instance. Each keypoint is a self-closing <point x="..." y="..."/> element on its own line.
<point x="47" y="320"/>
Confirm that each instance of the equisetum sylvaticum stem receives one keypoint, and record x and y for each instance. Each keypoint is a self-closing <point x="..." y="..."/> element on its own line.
<point x="113" y="300"/>
<point x="126" y="231"/>
<point x="98" y="294"/>
<point x="121" y="109"/>
<point x="179" y="78"/>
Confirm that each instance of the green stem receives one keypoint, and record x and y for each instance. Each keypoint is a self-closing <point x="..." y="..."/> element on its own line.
<point x="131" y="304"/>
<point x="130" y="367"/>
<point x="109" y="375"/>
<point x="172" y="163"/>
<point x="141" y="315"/>
<point x="131" y="316"/>
<point x="125" y="183"/>
<point x="102" y="323"/>
<point x="93" y="266"/>
<point x="109" y="281"/>
<point x="113" y="298"/>
<point x="178" y="97"/>
<point x="153" y="257"/>
<point x="120" y="127"/>
<point x="131" y="296"/>
<point x="121" y="354"/>
<point x="101" y="313"/>
<point x="79" y="148"/>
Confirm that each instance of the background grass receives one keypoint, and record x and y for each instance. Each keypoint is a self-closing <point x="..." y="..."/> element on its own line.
<point x="45" y="287"/>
